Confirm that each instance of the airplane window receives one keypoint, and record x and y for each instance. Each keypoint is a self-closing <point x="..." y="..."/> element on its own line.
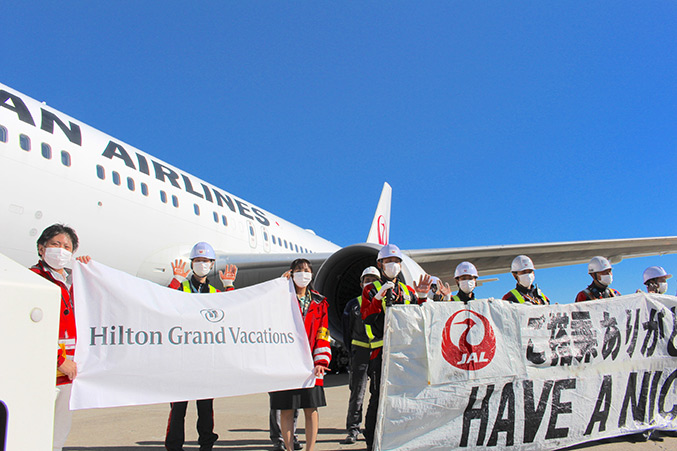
<point x="163" y="197"/>
<point x="224" y="220"/>
<point x="216" y="217"/>
<point x="100" y="172"/>
<point x="196" y="209"/>
<point x="285" y="244"/>
<point x="65" y="158"/>
<point x="265" y="235"/>
<point x="3" y="134"/>
<point x="296" y="247"/>
<point x="46" y="151"/>
<point x="25" y="142"/>
<point x="175" y="201"/>
<point x="273" y="237"/>
<point x="144" y="189"/>
<point x="116" y="178"/>
<point x="130" y="184"/>
<point x="251" y="230"/>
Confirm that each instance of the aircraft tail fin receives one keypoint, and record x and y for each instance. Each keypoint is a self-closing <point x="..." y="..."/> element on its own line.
<point x="380" y="226"/>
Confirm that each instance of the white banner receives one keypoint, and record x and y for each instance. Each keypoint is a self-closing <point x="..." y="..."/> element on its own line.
<point x="510" y="376"/>
<point x="141" y="343"/>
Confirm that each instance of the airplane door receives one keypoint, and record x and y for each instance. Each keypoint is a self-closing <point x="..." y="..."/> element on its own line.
<point x="252" y="234"/>
<point x="266" y="239"/>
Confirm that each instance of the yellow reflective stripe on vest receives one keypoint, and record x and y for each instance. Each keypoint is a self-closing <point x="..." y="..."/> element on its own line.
<point x="517" y="295"/>
<point x="186" y="287"/>
<point x="521" y="299"/>
<point x="405" y="294"/>
<point x="455" y="298"/>
<point x="361" y="344"/>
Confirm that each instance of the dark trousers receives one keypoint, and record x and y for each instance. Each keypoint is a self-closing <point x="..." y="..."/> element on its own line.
<point x="357" y="382"/>
<point x="274" y="425"/>
<point x="374" y="392"/>
<point x="205" y="425"/>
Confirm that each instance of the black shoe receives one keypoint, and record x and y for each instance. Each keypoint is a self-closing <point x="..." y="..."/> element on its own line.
<point x="297" y="445"/>
<point x="349" y="440"/>
<point x="279" y="446"/>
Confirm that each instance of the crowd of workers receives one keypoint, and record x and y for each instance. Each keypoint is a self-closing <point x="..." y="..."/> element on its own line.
<point x="363" y="329"/>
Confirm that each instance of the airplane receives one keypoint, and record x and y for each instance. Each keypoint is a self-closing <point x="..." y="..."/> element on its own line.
<point x="136" y="213"/>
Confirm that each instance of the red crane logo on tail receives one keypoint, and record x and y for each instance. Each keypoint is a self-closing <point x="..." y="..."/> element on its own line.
<point x="382" y="231"/>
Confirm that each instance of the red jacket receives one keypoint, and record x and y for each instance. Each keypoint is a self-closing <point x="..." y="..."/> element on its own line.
<point x="67" y="330"/>
<point x="373" y="309"/>
<point x="316" y="321"/>
<point x="593" y="292"/>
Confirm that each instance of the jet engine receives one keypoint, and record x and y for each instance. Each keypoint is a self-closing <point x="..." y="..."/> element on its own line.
<point x="339" y="278"/>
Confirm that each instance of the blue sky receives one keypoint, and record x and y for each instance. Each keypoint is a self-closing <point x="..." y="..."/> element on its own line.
<point x="494" y="122"/>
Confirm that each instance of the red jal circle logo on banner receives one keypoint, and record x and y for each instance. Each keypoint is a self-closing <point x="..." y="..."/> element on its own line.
<point x="468" y="341"/>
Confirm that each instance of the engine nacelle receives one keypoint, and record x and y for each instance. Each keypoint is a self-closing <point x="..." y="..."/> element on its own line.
<point x="339" y="278"/>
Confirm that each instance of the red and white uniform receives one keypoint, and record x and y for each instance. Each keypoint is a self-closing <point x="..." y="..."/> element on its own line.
<point x="316" y="321"/>
<point x="67" y="330"/>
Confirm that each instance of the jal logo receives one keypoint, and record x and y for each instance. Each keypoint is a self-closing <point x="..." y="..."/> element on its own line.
<point x="468" y="341"/>
<point x="212" y="315"/>
<point x="382" y="230"/>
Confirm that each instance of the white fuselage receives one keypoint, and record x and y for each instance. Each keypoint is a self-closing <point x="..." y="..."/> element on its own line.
<point x="131" y="210"/>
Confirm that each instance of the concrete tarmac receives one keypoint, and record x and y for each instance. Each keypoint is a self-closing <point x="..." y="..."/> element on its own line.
<point x="242" y="425"/>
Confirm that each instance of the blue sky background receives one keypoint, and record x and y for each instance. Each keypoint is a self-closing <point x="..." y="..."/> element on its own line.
<point x="494" y="122"/>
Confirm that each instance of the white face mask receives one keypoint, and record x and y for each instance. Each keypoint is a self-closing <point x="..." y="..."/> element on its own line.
<point x="392" y="269"/>
<point x="466" y="286"/>
<point x="606" y="279"/>
<point x="302" y="279"/>
<point x="662" y="287"/>
<point x="57" y="257"/>
<point x="526" y="280"/>
<point x="201" y="269"/>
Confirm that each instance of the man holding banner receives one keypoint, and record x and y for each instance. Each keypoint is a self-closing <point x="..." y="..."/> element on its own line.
<point x="374" y="301"/>
<point x="55" y="248"/>
<point x="202" y="258"/>
<point x="600" y="270"/>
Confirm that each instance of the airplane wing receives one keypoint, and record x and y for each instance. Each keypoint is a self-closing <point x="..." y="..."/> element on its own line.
<point x="497" y="259"/>
<point x="254" y="268"/>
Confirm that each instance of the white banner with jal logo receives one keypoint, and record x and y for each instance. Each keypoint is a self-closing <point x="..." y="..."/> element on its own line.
<point x="141" y="343"/>
<point x="509" y="376"/>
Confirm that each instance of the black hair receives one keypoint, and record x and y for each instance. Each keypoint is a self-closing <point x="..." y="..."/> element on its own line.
<point x="299" y="262"/>
<point x="57" y="229"/>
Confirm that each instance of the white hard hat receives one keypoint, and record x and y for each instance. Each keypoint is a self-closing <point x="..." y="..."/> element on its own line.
<point x="598" y="264"/>
<point x="203" y="249"/>
<point x="389" y="250"/>
<point x="520" y="263"/>
<point x="655" y="271"/>
<point x="465" y="268"/>
<point x="370" y="271"/>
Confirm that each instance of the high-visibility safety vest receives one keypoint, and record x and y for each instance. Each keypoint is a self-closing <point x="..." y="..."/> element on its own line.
<point x="521" y="299"/>
<point x="359" y="343"/>
<point x="406" y="294"/>
<point x="187" y="288"/>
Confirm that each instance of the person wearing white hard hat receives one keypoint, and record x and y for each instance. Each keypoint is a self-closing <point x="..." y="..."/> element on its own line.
<point x="359" y="346"/>
<point x="374" y="302"/>
<point x="202" y="259"/>
<point x="466" y="279"/>
<point x="656" y="279"/>
<point x="526" y="291"/>
<point x="439" y="291"/>
<point x="600" y="270"/>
